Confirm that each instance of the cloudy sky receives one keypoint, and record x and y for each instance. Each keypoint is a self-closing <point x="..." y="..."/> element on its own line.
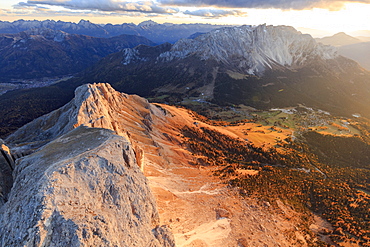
<point x="329" y="16"/>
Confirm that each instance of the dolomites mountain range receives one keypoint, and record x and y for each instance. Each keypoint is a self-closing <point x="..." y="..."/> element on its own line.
<point x="253" y="49"/>
<point x="82" y="186"/>
<point x="158" y="33"/>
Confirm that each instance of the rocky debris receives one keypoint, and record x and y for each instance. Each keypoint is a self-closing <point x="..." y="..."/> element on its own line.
<point x="243" y="242"/>
<point x="82" y="189"/>
<point x="222" y="213"/>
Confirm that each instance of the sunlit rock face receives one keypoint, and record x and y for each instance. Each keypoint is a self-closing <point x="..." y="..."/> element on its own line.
<point x="82" y="189"/>
<point x="94" y="105"/>
<point x="253" y="49"/>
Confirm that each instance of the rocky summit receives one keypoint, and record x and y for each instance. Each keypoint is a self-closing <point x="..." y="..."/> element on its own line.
<point x="82" y="189"/>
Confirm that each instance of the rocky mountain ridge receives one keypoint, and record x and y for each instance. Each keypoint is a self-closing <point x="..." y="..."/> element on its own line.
<point x="100" y="165"/>
<point x="252" y="49"/>
<point x="339" y="39"/>
<point x="82" y="189"/>
<point x="356" y="48"/>
<point x="43" y="52"/>
<point x="97" y="106"/>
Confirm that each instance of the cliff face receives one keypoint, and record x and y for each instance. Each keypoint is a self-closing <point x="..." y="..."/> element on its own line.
<point x="82" y="189"/>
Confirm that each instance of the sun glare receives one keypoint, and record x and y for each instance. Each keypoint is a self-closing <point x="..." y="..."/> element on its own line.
<point x="352" y="17"/>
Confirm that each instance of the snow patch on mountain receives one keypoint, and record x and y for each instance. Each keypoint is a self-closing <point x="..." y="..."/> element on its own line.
<point x="147" y="23"/>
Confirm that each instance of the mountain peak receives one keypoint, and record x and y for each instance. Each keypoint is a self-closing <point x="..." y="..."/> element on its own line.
<point x="148" y="23"/>
<point x="85" y="23"/>
<point x="252" y="49"/>
<point x="339" y="39"/>
<point x="94" y="105"/>
<point x="84" y="188"/>
<point x="82" y="21"/>
<point x="341" y="34"/>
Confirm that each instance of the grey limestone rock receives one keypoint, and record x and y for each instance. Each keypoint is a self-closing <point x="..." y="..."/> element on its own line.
<point x="82" y="189"/>
<point x="252" y="49"/>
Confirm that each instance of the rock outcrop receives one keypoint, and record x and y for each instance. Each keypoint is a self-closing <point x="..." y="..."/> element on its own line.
<point x="6" y="168"/>
<point x="82" y="189"/>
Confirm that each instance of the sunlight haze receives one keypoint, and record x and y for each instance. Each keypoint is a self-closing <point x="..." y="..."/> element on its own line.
<point x="319" y="18"/>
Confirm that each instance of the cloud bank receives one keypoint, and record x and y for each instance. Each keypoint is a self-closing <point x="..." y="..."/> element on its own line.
<point x="214" y="13"/>
<point x="107" y="5"/>
<point x="263" y="4"/>
<point x="206" y="8"/>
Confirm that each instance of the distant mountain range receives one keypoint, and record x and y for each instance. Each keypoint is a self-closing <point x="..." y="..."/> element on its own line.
<point x="43" y="52"/>
<point x="263" y="67"/>
<point x="339" y="39"/>
<point x="356" y="48"/>
<point x="359" y="52"/>
<point x="260" y="66"/>
<point x="158" y="33"/>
